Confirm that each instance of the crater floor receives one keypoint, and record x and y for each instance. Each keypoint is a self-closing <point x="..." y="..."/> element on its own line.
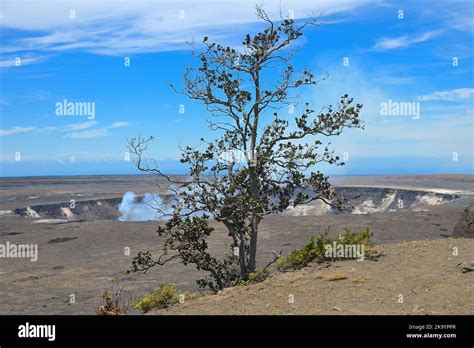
<point x="83" y="258"/>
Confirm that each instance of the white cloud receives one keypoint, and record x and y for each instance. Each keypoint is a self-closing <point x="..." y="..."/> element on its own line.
<point x="457" y="17"/>
<point x="16" y="130"/>
<point x="119" y="124"/>
<point x="395" y="137"/>
<point x="79" y="126"/>
<point x="23" y="60"/>
<point x="451" y="95"/>
<point x="83" y="127"/>
<point x="403" y="41"/>
<point x="119" y="27"/>
<point x="92" y="133"/>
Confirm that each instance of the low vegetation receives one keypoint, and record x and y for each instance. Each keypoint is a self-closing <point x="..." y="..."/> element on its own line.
<point x="315" y="249"/>
<point x="259" y="275"/>
<point x="164" y="296"/>
<point x="111" y="304"/>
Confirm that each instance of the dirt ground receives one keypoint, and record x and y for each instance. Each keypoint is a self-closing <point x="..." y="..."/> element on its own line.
<point x="418" y="277"/>
<point x="84" y="258"/>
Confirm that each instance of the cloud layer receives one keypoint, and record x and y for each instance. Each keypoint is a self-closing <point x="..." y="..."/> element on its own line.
<point x="79" y="130"/>
<point x="403" y="41"/>
<point x="117" y="27"/>
<point x="451" y="95"/>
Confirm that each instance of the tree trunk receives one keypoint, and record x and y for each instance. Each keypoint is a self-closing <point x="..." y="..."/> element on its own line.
<point x="236" y="236"/>
<point x="253" y="245"/>
<point x="242" y="258"/>
<point x="254" y="176"/>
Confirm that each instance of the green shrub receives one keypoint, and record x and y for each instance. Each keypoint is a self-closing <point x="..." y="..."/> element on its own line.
<point x="315" y="249"/>
<point x="350" y="237"/>
<point x="258" y="275"/>
<point x="163" y="297"/>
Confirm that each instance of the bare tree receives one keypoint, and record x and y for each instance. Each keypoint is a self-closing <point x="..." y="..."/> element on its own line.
<point x="260" y="164"/>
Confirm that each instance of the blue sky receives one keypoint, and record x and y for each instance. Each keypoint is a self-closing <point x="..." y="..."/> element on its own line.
<point x="76" y="51"/>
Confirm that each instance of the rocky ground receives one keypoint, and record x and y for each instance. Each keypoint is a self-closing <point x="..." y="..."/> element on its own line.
<point x="79" y="259"/>
<point x="419" y="277"/>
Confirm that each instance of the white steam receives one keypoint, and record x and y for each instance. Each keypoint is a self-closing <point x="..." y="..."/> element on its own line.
<point x="150" y="207"/>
